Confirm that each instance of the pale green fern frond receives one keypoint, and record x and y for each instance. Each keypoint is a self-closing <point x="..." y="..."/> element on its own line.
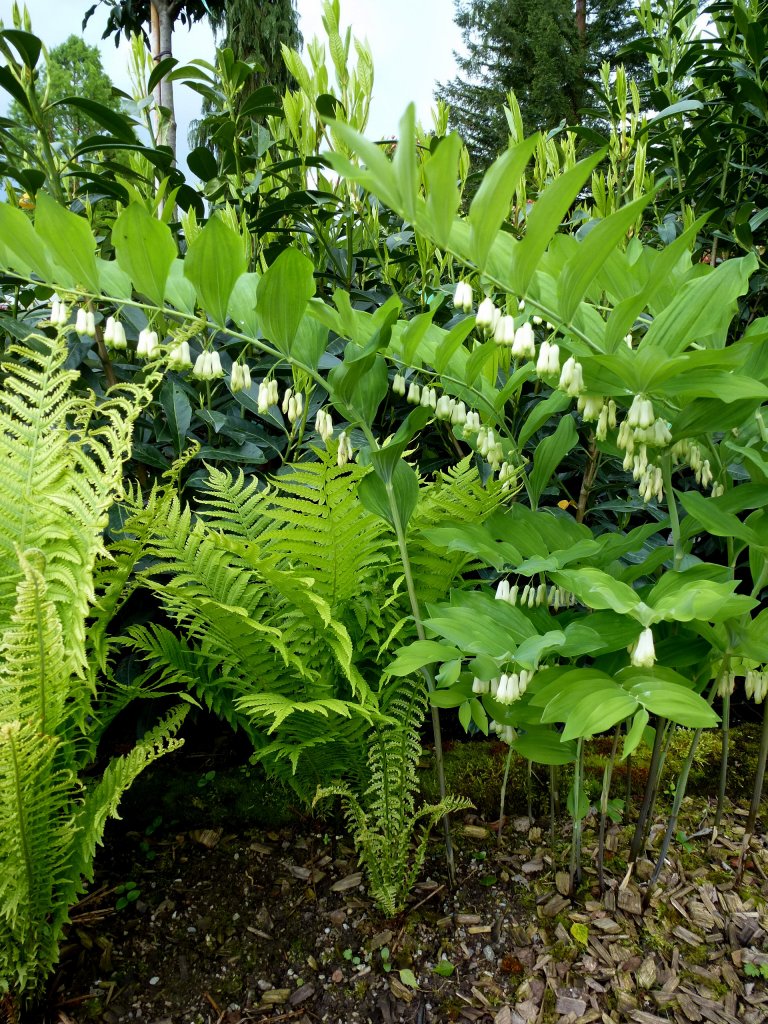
<point x="32" y="653"/>
<point x="101" y="800"/>
<point x="61" y="456"/>
<point x="389" y="832"/>
<point x="37" y="829"/>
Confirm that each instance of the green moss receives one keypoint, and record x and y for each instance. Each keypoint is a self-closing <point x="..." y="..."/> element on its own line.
<point x="475" y="769"/>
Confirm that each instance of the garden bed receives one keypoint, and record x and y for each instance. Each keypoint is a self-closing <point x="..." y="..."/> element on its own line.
<point x="273" y="924"/>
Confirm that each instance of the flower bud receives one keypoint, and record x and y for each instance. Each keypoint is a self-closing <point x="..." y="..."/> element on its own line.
<point x="642" y="652"/>
<point x="523" y="344"/>
<point x="81" y="321"/>
<point x="462" y="298"/>
<point x="414" y="394"/>
<point x="485" y="315"/>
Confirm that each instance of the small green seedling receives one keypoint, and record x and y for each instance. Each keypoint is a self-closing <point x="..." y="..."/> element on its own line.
<point x="386" y="962"/>
<point x="756" y="971"/>
<point x="127" y="893"/>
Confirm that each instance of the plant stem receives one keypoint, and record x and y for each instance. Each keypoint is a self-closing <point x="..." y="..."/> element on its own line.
<point x="552" y="800"/>
<point x="575" y="868"/>
<point x="726" y="734"/>
<point x="648" y="798"/>
<point x="435" y="712"/>
<point x="587" y="481"/>
<point x="682" y="782"/>
<point x="607" y="773"/>
<point x="674" y="518"/>
<point x="757" y="791"/>
<point x="504" y="793"/>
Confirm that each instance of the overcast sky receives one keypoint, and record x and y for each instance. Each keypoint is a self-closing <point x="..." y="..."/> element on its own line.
<point x="412" y="43"/>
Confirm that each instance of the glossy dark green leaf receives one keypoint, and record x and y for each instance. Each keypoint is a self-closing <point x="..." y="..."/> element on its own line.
<point x="178" y="413"/>
<point x="549" y="454"/>
<point x="398" y="497"/>
<point x="543" y="746"/>
<point x="490" y="206"/>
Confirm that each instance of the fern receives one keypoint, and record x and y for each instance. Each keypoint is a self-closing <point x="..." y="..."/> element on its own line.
<point x="284" y="600"/>
<point x="62" y="456"/>
<point x="389" y="831"/>
<point x="456" y="496"/>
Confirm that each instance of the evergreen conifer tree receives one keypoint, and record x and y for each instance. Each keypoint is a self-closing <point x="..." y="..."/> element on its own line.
<point x="548" y="53"/>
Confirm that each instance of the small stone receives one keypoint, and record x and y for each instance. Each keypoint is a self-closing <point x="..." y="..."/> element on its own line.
<point x="337" y="977"/>
<point x="337" y="917"/>
<point x="489" y="954"/>
<point x="154" y="981"/>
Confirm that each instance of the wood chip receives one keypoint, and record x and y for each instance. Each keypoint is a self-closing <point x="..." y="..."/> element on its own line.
<point x="646" y="975"/>
<point x="553" y="906"/>
<point x="350" y="882"/>
<point x="276" y="996"/>
<point x="207" y="837"/>
<point x="476" y="831"/>
<point x="567" y="1004"/>
<point x="630" y="900"/>
<point x="607" y="925"/>
<point x="686" y="935"/>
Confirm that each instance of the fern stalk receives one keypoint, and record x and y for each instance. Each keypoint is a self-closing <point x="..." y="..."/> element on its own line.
<point x="427" y="673"/>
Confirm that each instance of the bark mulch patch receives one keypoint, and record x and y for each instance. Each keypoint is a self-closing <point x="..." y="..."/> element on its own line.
<point x="221" y="928"/>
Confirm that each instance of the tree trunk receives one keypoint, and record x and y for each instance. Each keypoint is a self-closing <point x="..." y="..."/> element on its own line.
<point x="581" y="19"/>
<point x="162" y="31"/>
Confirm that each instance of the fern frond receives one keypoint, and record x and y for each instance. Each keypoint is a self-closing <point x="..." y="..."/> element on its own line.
<point x="457" y="495"/>
<point x="101" y="800"/>
<point x="36" y="835"/>
<point x="62" y="458"/>
<point x="32" y="654"/>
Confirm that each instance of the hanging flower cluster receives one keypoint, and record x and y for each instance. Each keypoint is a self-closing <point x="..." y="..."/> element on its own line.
<point x="756" y="684"/>
<point x="642" y="653"/>
<point x="240" y="379"/>
<point x="506" y="733"/>
<point x="179" y="358"/>
<point x="462" y="298"/>
<point x="149" y="345"/>
<point x="293" y="405"/>
<point x="345" y="452"/>
<point x="208" y="366"/>
<point x="690" y="454"/>
<point x="114" y="335"/>
<point x="324" y="424"/>
<point x="531" y="596"/>
<point x="268" y="395"/>
<point x="85" y="322"/>
<point x="506" y="689"/>
<point x="59" y="313"/>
